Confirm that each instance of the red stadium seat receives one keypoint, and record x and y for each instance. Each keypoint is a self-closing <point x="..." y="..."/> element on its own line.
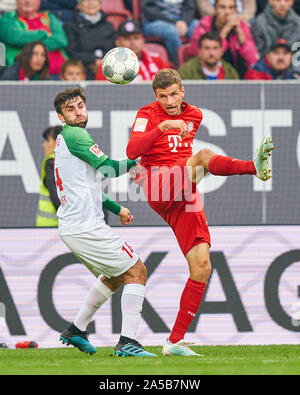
<point x="115" y="7"/>
<point x="183" y="53"/>
<point x="116" y="11"/>
<point x="159" y="49"/>
<point x="116" y="20"/>
<point x="137" y="9"/>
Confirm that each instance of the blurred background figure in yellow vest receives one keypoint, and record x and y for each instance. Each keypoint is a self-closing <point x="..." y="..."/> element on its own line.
<point x="48" y="200"/>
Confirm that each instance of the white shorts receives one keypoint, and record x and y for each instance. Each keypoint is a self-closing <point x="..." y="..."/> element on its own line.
<point x="102" y="251"/>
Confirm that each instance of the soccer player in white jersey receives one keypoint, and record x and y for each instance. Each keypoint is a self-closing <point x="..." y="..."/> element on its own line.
<point x="79" y="167"/>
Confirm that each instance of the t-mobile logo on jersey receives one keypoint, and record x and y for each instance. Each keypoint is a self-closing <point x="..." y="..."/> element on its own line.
<point x="175" y="141"/>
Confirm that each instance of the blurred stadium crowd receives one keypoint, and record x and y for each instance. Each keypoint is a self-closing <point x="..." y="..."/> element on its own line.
<point x="203" y="39"/>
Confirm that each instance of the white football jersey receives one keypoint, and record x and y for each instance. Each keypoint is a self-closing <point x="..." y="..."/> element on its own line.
<point x="77" y="158"/>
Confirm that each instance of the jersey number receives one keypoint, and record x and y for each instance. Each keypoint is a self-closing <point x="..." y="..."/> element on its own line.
<point x="128" y="250"/>
<point x="58" y="180"/>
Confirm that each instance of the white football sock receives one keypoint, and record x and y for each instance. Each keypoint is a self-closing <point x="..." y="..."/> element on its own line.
<point x="131" y="305"/>
<point x="96" y="297"/>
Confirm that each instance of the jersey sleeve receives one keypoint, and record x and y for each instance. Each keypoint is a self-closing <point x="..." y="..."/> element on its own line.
<point x="142" y="123"/>
<point x="142" y="135"/>
<point x="81" y="144"/>
<point x="110" y="204"/>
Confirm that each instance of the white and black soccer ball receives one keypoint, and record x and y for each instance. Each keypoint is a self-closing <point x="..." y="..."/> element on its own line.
<point x="120" y="65"/>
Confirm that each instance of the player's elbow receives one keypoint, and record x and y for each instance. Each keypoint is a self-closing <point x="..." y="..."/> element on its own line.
<point x="130" y="152"/>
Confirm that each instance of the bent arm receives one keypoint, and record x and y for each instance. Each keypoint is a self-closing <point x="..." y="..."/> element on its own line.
<point x="110" y="204"/>
<point x="58" y="38"/>
<point x="139" y="143"/>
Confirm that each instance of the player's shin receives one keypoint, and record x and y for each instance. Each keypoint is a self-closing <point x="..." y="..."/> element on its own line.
<point x="131" y="305"/>
<point x="225" y="166"/>
<point x="189" y="303"/>
<point x="96" y="297"/>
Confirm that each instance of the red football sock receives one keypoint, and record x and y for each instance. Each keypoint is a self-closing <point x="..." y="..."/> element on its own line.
<point x="225" y="166"/>
<point x="189" y="303"/>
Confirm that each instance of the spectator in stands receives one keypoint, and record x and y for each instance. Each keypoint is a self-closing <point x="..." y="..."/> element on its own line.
<point x="62" y="9"/>
<point x="278" y="20"/>
<point x="262" y="3"/>
<point x="27" y="24"/>
<point x="31" y="64"/>
<point x="130" y="36"/>
<point x="277" y="65"/>
<point x="90" y="35"/>
<point x="170" y="21"/>
<point x="238" y="45"/>
<point x="208" y="64"/>
<point x="48" y="201"/>
<point x="73" y="70"/>
<point x="7" y="6"/>
<point x="245" y="8"/>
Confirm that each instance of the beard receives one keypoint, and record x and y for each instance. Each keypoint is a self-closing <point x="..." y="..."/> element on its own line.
<point x="211" y="63"/>
<point x="81" y="124"/>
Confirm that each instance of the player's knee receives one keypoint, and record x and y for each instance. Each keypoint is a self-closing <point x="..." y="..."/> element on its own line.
<point x="203" y="156"/>
<point x="202" y="270"/>
<point x="137" y="273"/>
<point x="142" y="270"/>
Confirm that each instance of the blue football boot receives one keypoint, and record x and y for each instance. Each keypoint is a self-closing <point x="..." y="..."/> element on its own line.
<point x="77" y="340"/>
<point x="132" y="348"/>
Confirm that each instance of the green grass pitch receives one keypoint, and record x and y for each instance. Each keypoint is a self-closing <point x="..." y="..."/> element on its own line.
<point x="217" y="360"/>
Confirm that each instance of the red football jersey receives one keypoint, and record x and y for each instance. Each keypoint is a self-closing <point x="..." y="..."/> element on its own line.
<point x="168" y="147"/>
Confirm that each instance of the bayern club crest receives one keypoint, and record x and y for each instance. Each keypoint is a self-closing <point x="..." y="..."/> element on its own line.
<point x="190" y="125"/>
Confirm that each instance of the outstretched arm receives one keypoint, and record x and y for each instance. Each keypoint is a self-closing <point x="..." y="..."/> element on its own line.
<point x="81" y="144"/>
<point x="114" y="168"/>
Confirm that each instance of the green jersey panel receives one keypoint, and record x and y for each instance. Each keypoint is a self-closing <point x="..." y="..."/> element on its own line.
<point x="81" y="144"/>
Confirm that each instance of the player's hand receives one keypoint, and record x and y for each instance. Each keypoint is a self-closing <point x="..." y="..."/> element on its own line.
<point x="182" y="28"/>
<point x="232" y="22"/>
<point x="134" y="171"/>
<point x="125" y="217"/>
<point x="175" y="124"/>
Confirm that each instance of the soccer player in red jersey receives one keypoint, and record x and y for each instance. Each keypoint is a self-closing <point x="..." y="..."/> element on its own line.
<point x="162" y="135"/>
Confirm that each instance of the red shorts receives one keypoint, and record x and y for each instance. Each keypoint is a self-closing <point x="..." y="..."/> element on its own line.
<point x="177" y="200"/>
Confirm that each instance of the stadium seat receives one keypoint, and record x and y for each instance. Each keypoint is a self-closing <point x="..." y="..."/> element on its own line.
<point x="183" y="53"/>
<point x="115" y="7"/>
<point x="116" y="20"/>
<point x="136" y="9"/>
<point x="159" y="49"/>
<point x="116" y="11"/>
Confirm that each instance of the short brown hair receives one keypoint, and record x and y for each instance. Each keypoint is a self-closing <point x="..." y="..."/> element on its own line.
<point x="66" y="96"/>
<point x="165" y="78"/>
<point x="72" y="62"/>
<point x="212" y="35"/>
